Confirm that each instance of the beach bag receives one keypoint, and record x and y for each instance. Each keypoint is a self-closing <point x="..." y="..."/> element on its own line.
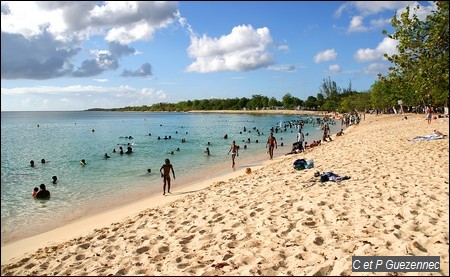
<point x="300" y="164"/>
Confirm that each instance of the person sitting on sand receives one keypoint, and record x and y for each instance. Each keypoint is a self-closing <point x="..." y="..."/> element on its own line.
<point x="165" y="173"/>
<point x="340" y="133"/>
<point x="314" y="143"/>
<point x="295" y="149"/>
<point x="43" y="193"/>
<point x="437" y="133"/>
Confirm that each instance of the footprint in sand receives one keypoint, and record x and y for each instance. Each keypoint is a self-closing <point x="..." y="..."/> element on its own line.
<point x="163" y="249"/>
<point x="142" y="249"/>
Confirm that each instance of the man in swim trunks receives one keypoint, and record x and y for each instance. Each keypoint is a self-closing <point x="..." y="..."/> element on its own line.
<point x="43" y="193"/>
<point x="167" y="167"/>
<point x="272" y="143"/>
<point x="234" y="152"/>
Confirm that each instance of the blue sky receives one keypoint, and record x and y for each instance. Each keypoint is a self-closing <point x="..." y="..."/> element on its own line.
<point x="78" y="55"/>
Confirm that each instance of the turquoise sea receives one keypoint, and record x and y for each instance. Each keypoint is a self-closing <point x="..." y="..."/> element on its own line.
<point x="64" y="138"/>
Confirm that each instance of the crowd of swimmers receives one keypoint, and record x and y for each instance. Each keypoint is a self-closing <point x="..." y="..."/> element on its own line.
<point x="300" y="145"/>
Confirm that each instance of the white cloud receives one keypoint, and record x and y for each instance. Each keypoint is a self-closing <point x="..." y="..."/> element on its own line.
<point x="125" y="21"/>
<point x="372" y="7"/>
<point x="244" y="49"/>
<point x="356" y="25"/>
<point x="75" y="89"/>
<point x="374" y="68"/>
<point x="380" y="23"/>
<point x="287" y="68"/>
<point x="421" y="13"/>
<point x="50" y="34"/>
<point x="29" y="19"/>
<point x="335" y="68"/>
<point x="362" y="9"/>
<point x="101" y="80"/>
<point x="386" y="46"/>
<point x="284" y="48"/>
<point x="74" y="97"/>
<point x="325" y="56"/>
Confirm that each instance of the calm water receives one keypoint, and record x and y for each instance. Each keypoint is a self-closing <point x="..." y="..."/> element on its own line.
<point x="64" y="138"/>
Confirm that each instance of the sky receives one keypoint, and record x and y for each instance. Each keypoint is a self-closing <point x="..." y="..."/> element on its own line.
<point x="78" y="55"/>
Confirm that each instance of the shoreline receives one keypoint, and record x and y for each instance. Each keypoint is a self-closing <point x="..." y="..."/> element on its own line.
<point x="109" y="215"/>
<point x="274" y="221"/>
<point x="80" y="227"/>
<point x="105" y="206"/>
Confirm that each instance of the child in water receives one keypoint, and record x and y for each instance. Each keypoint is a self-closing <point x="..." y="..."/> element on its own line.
<point x="35" y="191"/>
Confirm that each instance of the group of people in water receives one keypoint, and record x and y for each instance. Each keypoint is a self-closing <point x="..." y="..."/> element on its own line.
<point x="41" y="192"/>
<point x="32" y="163"/>
<point x="300" y="145"/>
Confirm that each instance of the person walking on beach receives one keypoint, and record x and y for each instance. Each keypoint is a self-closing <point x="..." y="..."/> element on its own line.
<point x="234" y="152"/>
<point x="429" y="115"/>
<point x="272" y="143"/>
<point x="165" y="173"/>
<point x="300" y="140"/>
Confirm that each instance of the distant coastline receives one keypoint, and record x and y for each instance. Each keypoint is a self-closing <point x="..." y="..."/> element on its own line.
<point x="276" y="112"/>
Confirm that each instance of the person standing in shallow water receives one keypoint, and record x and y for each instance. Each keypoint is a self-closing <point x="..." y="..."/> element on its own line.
<point x="165" y="174"/>
<point x="234" y="152"/>
<point x="43" y="193"/>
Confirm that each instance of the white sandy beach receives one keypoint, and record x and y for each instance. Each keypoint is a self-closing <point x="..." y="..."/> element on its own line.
<point x="275" y="220"/>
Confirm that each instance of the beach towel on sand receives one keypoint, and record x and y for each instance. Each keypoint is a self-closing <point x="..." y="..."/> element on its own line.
<point x="427" y="137"/>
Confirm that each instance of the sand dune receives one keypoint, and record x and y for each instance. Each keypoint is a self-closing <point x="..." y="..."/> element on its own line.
<point x="281" y="221"/>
